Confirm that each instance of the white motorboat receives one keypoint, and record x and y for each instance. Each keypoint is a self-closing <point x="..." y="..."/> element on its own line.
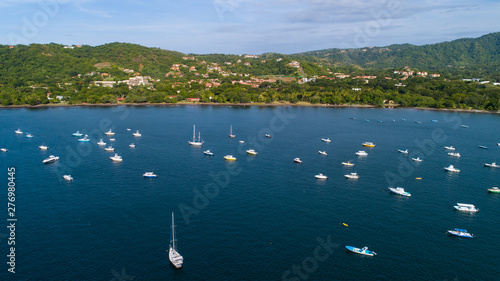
<point x="449" y="148"/>
<point x="137" y="134"/>
<point x="321" y="176"/>
<point x="43" y="147"/>
<point x="451" y="169"/>
<point x="267" y="135"/>
<point x="109" y="148"/>
<point x="28" y="135"/>
<point x="417" y="159"/>
<point x="403" y="151"/>
<point x="84" y="139"/>
<point x="195" y="142"/>
<point x="242" y="141"/>
<point x="466" y="207"/>
<point x="461" y="233"/>
<point x="109" y="133"/>
<point x="101" y="142"/>
<point x="361" y="153"/>
<point x="149" y="175"/>
<point x="297" y="160"/>
<point x="230" y="158"/>
<point x="111" y="139"/>
<point x="454" y="154"/>
<point x="352" y="176"/>
<point x="19" y="132"/>
<point x="3" y="149"/>
<point x="116" y="158"/>
<point x="51" y="159"/>
<point x="173" y="255"/>
<point x="132" y="145"/>
<point x="400" y="191"/>
<point x="251" y="152"/>
<point x="326" y="139"/>
<point x="322" y="152"/>
<point x="208" y="152"/>
<point x="68" y="177"/>
<point x="77" y="134"/>
<point x="492" y="165"/>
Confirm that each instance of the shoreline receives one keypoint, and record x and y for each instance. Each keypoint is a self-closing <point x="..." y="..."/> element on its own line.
<point x="274" y="104"/>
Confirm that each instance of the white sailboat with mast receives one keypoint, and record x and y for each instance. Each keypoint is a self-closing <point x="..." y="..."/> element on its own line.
<point x="198" y="142"/>
<point x="175" y="258"/>
<point x="231" y="135"/>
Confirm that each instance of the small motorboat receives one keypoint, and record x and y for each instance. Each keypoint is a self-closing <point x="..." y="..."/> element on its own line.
<point x="451" y="168"/>
<point x="101" y="142"/>
<point x="417" y="159"/>
<point x="116" y="158"/>
<point x="362" y="251"/>
<point x="128" y="129"/>
<point x="400" y="191"/>
<point x="111" y="139"/>
<point x="348" y="164"/>
<point x="132" y="145"/>
<point x="418" y="122"/>
<point x="19" y="132"/>
<point x="230" y="158"/>
<point x="326" y="140"/>
<point x="352" y="176"/>
<point x="379" y="121"/>
<point x="483" y="147"/>
<point x="68" y="177"/>
<point x="466" y="207"/>
<point x="137" y="134"/>
<point x="51" y="159"/>
<point x="109" y="148"/>
<point x="322" y="152"/>
<point x="251" y="152"/>
<point x="242" y="141"/>
<point x="208" y="152"/>
<point x="109" y="133"/>
<point x="461" y="232"/>
<point x="494" y="190"/>
<point x="368" y="144"/>
<point x="267" y="135"/>
<point x="434" y="120"/>
<point x="403" y="151"/>
<point x="297" y="160"/>
<point x="29" y="135"/>
<point x="77" y="134"/>
<point x="321" y="176"/>
<point x="492" y="165"/>
<point x="464" y="126"/>
<point x="149" y="175"/>
<point x="454" y="154"/>
<point x="84" y="139"/>
<point x="361" y="153"/>
<point x="3" y="149"/>
<point x="449" y="148"/>
<point x="366" y="120"/>
<point x="43" y="147"/>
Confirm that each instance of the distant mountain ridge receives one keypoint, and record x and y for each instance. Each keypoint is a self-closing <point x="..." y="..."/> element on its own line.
<point x="472" y="53"/>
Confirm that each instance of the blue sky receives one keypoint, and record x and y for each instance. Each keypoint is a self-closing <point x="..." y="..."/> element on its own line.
<point x="246" y="26"/>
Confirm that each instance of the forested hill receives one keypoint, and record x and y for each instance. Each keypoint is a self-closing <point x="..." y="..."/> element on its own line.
<point x="41" y="63"/>
<point x="468" y="54"/>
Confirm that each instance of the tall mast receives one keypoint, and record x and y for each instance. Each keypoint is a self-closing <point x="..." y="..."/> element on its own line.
<point x="173" y="232"/>
<point x="194" y="138"/>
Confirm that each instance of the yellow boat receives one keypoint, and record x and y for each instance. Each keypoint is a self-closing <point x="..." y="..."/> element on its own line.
<point x="230" y="158"/>
<point x="368" y="144"/>
<point x="348" y="163"/>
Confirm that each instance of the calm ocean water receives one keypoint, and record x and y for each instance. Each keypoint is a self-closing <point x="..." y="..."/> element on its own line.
<point x="262" y="217"/>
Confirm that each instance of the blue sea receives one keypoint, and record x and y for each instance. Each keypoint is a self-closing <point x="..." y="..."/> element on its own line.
<point x="261" y="217"/>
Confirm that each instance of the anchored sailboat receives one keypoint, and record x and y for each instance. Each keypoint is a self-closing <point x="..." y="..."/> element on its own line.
<point x="194" y="141"/>
<point x="175" y="258"/>
<point x="231" y="135"/>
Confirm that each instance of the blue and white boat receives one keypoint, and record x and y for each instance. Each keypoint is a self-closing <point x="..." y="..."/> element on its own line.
<point x="77" y="134"/>
<point x="461" y="232"/>
<point x="400" y="191"/>
<point x="208" y="152"/>
<point x="362" y="251"/>
<point x="405" y="151"/>
<point x="483" y="147"/>
<point x="149" y="175"/>
<point x="28" y="135"/>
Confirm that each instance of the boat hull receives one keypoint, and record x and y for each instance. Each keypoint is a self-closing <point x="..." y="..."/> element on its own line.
<point x="359" y="251"/>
